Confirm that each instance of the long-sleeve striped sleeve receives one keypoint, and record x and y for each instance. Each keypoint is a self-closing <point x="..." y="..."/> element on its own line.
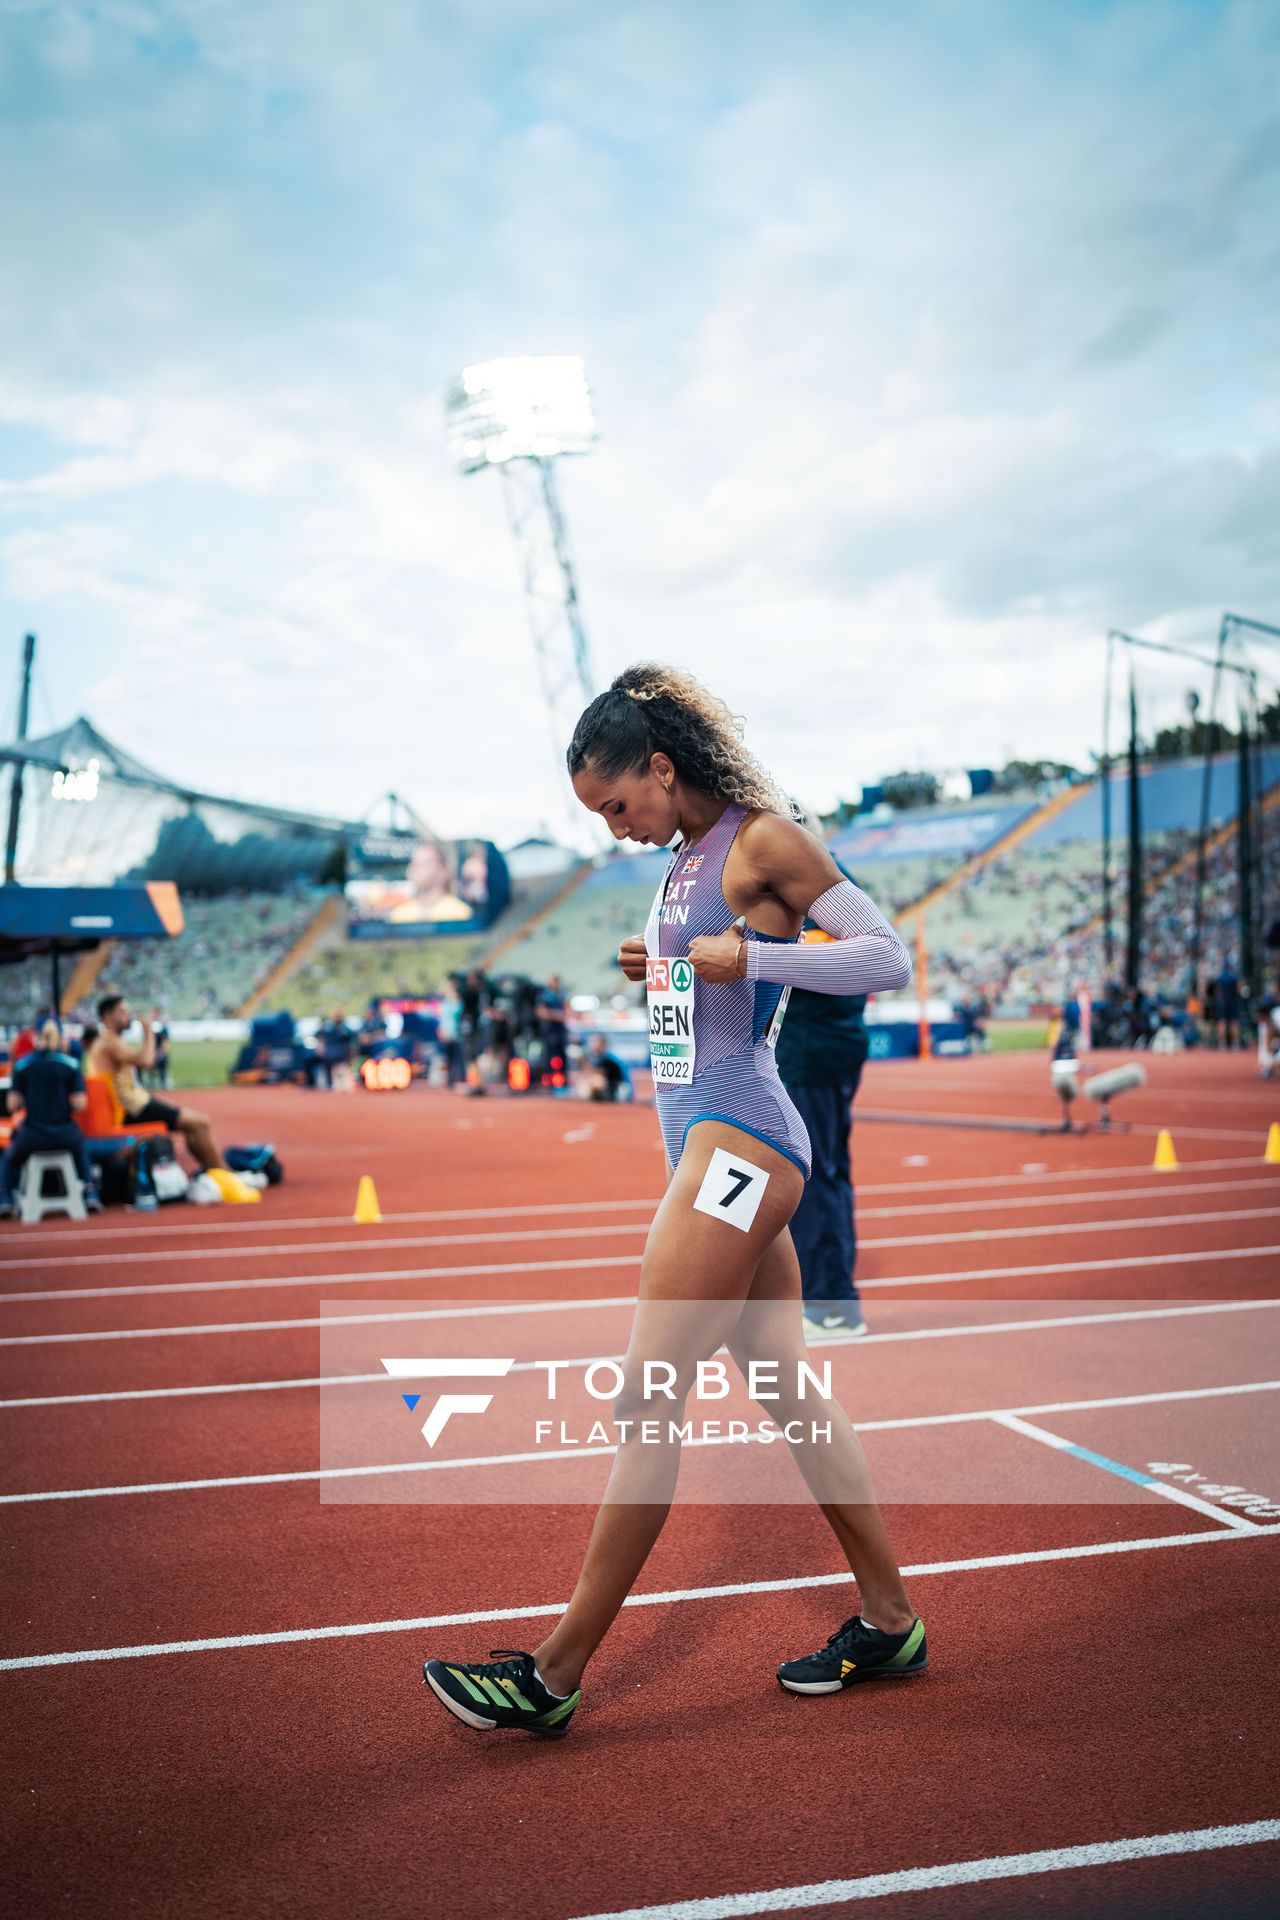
<point x="864" y="954"/>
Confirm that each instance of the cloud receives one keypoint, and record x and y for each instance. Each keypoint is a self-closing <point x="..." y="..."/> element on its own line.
<point x="921" y="357"/>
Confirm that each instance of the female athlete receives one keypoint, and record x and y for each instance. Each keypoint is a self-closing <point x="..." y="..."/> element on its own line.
<point x="658" y="756"/>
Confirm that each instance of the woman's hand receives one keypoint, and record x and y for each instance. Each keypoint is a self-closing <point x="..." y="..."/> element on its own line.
<point x="631" y="957"/>
<point x="715" y="956"/>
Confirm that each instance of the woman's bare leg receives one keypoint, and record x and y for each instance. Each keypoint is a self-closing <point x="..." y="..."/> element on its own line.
<point x="706" y="1264"/>
<point x="837" y="1472"/>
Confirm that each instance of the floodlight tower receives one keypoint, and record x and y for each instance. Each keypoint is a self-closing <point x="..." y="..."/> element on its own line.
<point x="521" y="416"/>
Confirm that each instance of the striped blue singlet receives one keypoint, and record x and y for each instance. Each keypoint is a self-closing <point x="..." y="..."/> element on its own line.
<point x="735" y="1076"/>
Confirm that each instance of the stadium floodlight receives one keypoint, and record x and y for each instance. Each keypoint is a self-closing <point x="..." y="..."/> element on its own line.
<point x="521" y="416"/>
<point x="533" y="408"/>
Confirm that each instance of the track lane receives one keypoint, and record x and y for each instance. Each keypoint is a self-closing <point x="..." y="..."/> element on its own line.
<point x="124" y="1442"/>
<point x="308" y="1787"/>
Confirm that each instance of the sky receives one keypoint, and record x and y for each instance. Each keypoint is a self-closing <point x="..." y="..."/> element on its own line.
<point x="926" y="342"/>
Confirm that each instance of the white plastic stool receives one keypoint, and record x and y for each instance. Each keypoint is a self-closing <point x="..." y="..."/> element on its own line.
<point x="34" y="1197"/>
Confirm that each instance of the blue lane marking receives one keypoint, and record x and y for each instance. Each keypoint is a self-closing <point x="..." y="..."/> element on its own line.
<point x="1111" y="1466"/>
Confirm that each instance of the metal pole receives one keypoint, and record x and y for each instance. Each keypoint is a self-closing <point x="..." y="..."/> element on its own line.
<point x="15" y="778"/>
<point x="1108" y="925"/>
<point x="1206" y="782"/>
<point x="1244" y="852"/>
<point x="922" y="986"/>
<point x="573" y="613"/>
<point x="1133" y="958"/>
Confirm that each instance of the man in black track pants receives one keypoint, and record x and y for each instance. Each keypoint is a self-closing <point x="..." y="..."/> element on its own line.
<point x="821" y="1050"/>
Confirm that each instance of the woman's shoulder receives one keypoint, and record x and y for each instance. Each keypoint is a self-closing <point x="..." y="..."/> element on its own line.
<point x="784" y="856"/>
<point x="768" y="836"/>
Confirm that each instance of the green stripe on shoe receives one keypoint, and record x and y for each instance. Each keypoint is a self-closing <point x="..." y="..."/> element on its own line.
<point x="561" y="1712"/>
<point x="473" y="1690"/>
<point x="909" y="1646"/>
<point x="493" y="1690"/>
<point x="517" y="1696"/>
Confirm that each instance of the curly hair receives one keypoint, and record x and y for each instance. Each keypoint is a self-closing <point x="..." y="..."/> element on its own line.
<point x="655" y="709"/>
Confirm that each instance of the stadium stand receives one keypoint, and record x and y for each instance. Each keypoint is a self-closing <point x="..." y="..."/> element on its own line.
<point x="227" y="946"/>
<point x="349" y="973"/>
<point x="579" y="938"/>
<point x="900" y="860"/>
<point x="1026" y="930"/>
<point x="24" y="991"/>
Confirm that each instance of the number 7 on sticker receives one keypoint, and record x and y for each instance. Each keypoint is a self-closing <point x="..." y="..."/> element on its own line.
<point x="731" y="1190"/>
<point x="743" y="1181"/>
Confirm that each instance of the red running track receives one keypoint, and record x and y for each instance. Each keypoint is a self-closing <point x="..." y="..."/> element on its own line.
<point x="1097" y="1697"/>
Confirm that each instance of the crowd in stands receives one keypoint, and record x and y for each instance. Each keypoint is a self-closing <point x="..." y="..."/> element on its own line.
<point x="229" y="944"/>
<point x="1027" y="930"/>
<point x="352" y="972"/>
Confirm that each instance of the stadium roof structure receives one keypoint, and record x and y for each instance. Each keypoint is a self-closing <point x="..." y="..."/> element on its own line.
<point x="93" y="814"/>
<point x="59" y="920"/>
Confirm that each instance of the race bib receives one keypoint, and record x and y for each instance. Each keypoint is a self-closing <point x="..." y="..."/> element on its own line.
<point x="671" y="1040"/>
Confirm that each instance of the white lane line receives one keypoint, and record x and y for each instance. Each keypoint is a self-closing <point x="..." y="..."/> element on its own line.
<point x="351" y="1278"/>
<point x="338" y="1279"/>
<point x="95" y="1234"/>
<point x="518" y="1236"/>
<point x="1124" y="1472"/>
<point x="541" y="1457"/>
<point x="968" y="1330"/>
<point x="1074" y="1406"/>
<point x="930" y="1116"/>
<point x="1064" y="1266"/>
<point x="1157" y="1195"/>
<point x="257" y="1283"/>
<point x="520" y="1307"/>
<point x="1006" y="1202"/>
<point x="955" y="1873"/>
<point x="741" y="1589"/>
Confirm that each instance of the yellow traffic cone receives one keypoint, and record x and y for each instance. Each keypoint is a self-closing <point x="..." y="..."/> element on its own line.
<point x="368" y="1212"/>
<point x="1166" y="1159"/>
<point x="1271" y="1153"/>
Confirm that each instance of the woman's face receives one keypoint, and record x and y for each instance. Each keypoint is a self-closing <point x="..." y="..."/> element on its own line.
<point x="427" y="872"/>
<point x="634" y="806"/>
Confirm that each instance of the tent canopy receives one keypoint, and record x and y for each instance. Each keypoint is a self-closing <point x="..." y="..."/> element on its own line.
<point x="37" y="920"/>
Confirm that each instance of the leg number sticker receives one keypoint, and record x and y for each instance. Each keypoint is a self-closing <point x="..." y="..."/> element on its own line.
<point x="732" y="1189"/>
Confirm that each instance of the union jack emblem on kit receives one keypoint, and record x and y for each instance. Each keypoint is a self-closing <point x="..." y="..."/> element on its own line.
<point x="692" y="864"/>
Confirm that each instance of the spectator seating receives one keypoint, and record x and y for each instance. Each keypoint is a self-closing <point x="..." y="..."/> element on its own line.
<point x="349" y="973"/>
<point x="579" y="939"/>
<point x="24" y="988"/>
<point x="229" y="943"/>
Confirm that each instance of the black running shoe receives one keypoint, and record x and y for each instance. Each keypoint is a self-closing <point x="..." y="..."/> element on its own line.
<point x="857" y="1652"/>
<point x="505" y="1691"/>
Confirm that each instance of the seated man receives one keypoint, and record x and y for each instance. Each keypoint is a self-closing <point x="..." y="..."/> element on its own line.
<point x="50" y="1086"/>
<point x="109" y="1055"/>
<point x="603" y="1075"/>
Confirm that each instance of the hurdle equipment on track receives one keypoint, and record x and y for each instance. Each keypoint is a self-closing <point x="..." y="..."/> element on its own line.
<point x="368" y="1213"/>
<point x="1166" y="1160"/>
<point x="1271" y="1152"/>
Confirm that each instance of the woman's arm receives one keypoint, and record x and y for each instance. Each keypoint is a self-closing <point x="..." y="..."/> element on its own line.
<point x="864" y="954"/>
<point x="791" y="868"/>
